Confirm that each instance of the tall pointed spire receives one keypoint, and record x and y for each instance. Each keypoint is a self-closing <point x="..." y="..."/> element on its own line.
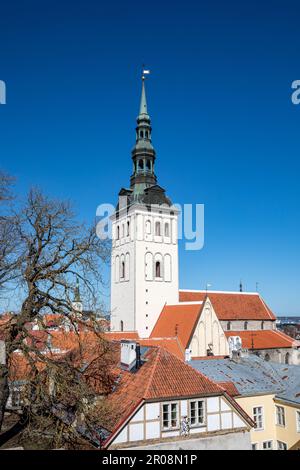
<point x="143" y="153"/>
<point x="143" y="105"/>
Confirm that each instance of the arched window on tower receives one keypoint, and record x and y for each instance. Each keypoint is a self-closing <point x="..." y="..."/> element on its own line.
<point x="141" y="165"/>
<point x="228" y="325"/>
<point x="245" y="325"/>
<point x="148" y="227"/>
<point x="157" y="269"/>
<point x="122" y="270"/>
<point x="148" y="165"/>
<point x="141" y="134"/>
<point x="118" y="232"/>
<point x="167" y="230"/>
<point x="147" y="134"/>
<point x="128" y="228"/>
<point x="157" y="228"/>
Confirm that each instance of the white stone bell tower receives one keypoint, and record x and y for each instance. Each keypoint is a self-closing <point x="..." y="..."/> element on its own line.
<point x="144" y="260"/>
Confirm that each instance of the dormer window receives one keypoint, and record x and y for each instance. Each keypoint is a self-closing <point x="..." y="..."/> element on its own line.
<point x="262" y="325"/>
<point x="228" y="326"/>
<point x="245" y="325"/>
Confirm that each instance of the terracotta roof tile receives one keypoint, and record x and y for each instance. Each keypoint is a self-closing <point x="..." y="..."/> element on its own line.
<point x="177" y="320"/>
<point x="264" y="339"/>
<point x="232" y="306"/>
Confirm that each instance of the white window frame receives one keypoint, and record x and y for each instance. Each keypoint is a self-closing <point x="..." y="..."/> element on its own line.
<point x="170" y="427"/>
<point x="254" y="444"/>
<point x="280" y="415"/>
<point x="298" y="420"/>
<point x="262" y="418"/>
<point x="197" y="422"/>
<point x="283" y="443"/>
<point x="267" y="442"/>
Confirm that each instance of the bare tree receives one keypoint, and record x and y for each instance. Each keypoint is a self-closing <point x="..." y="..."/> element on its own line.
<point x="52" y="251"/>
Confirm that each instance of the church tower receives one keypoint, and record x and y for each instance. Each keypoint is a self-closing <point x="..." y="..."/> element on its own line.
<point x="144" y="259"/>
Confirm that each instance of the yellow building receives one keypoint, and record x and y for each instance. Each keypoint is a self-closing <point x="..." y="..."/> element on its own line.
<point x="268" y="392"/>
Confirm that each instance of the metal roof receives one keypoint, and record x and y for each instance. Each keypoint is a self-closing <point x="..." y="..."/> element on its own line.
<point x="252" y="376"/>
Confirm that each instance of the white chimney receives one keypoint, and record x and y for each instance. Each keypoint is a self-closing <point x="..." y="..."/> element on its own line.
<point x="128" y="354"/>
<point x="235" y="346"/>
<point x="188" y="355"/>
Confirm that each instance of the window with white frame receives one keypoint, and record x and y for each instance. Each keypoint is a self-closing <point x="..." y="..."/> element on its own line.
<point x="170" y="415"/>
<point x="258" y="417"/>
<point x="281" y="445"/>
<point x="197" y="412"/>
<point x="280" y="416"/>
<point x="267" y="445"/>
<point x="254" y="446"/>
<point x="298" y="421"/>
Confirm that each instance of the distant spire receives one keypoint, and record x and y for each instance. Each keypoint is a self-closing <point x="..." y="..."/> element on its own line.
<point x="241" y="286"/>
<point x="77" y="291"/>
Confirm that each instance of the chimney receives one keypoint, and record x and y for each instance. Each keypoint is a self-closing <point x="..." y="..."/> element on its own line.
<point x="130" y="355"/>
<point x="188" y="355"/>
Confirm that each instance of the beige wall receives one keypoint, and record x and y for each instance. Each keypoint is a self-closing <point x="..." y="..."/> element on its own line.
<point x="271" y="431"/>
<point x="289" y="433"/>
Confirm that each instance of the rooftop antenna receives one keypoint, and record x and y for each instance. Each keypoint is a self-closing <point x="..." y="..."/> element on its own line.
<point x="207" y="286"/>
<point x="256" y="286"/>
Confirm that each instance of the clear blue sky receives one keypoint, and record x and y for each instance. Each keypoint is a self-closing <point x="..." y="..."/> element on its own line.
<point x="224" y="127"/>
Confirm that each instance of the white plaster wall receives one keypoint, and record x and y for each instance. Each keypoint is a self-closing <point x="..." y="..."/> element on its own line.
<point x="138" y="301"/>
<point x="230" y="441"/>
<point x="146" y="423"/>
<point x="209" y="331"/>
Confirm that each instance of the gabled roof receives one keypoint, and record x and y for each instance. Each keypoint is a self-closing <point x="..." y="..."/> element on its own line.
<point x="264" y="339"/>
<point x="232" y="305"/>
<point x="179" y="321"/>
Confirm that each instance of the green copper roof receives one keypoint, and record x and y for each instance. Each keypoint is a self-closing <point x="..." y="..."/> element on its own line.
<point x="143" y="105"/>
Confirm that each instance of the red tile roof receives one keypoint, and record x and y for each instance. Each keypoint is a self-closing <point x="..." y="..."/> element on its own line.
<point x="173" y="345"/>
<point x="230" y="388"/>
<point x="264" y="339"/>
<point x="232" y="306"/>
<point x="162" y="376"/>
<point x="177" y="320"/>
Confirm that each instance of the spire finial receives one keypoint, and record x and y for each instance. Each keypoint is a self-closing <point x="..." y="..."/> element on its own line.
<point x="143" y="105"/>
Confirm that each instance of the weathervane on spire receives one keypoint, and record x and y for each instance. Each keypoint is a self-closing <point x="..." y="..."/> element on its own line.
<point x="145" y="72"/>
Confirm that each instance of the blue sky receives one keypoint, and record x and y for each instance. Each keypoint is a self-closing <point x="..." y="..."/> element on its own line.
<point x="224" y="127"/>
